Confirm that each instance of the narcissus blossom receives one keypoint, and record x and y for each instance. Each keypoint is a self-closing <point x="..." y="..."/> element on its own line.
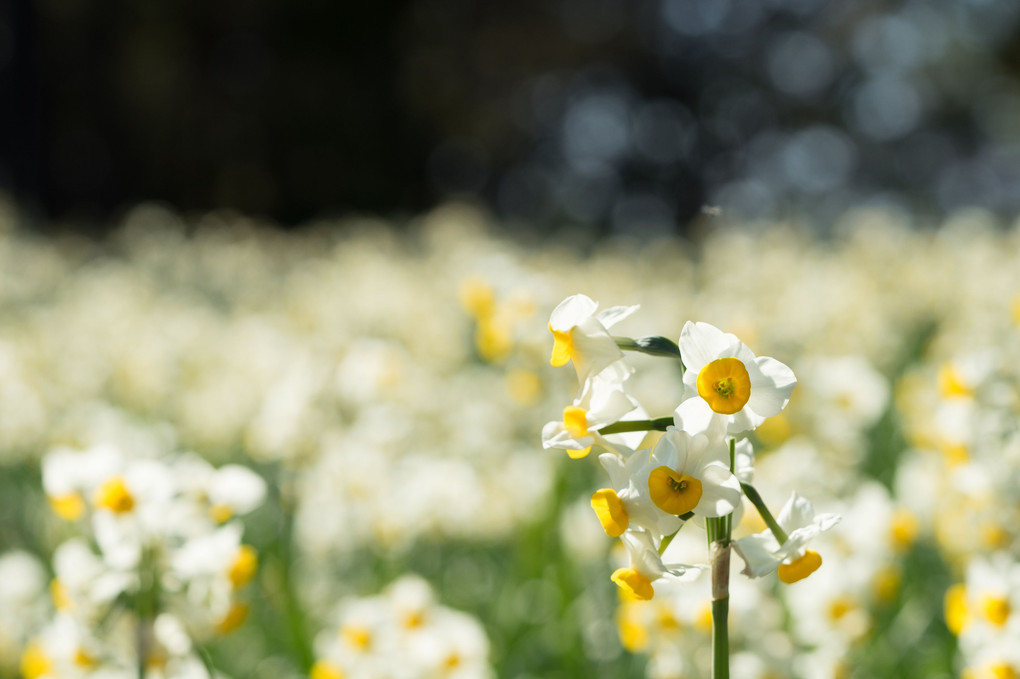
<point x="581" y="334"/>
<point x="735" y="383"/>
<point x="601" y="402"/>
<point x="689" y="472"/>
<point x="646" y="567"/>
<point x="762" y="553"/>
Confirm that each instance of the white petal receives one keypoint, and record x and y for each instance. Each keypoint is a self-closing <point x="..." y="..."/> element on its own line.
<point x="701" y="343"/>
<point x="720" y="491"/>
<point x="613" y="315"/>
<point x="772" y="384"/>
<point x="571" y="312"/>
<point x="758" y="553"/>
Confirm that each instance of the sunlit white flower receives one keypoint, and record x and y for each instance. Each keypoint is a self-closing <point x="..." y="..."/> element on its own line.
<point x="763" y="554"/>
<point x="602" y="402"/>
<point x="690" y="472"/>
<point x="735" y="383"/>
<point x="628" y="502"/>
<point x="646" y="566"/>
<point x="581" y="334"/>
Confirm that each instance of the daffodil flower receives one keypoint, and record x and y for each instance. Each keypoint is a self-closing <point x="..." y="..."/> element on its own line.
<point x="581" y="335"/>
<point x="743" y="388"/>
<point x="646" y="567"/>
<point x="627" y="504"/>
<point x="689" y="472"/>
<point x="762" y="552"/>
<point x="602" y="402"/>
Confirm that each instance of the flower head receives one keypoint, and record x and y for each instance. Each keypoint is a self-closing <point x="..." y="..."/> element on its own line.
<point x="689" y="472"/>
<point x="581" y="334"/>
<point x="735" y="383"/>
<point x="762" y="553"/>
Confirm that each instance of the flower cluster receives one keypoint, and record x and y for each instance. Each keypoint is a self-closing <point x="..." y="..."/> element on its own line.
<point x="403" y="632"/>
<point x="167" y="572"/>
<point x="701" y="466"/>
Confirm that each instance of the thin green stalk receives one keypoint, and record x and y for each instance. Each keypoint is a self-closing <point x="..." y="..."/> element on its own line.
<point x="721" y="635"/>
<point x="658" y="424"/>
<point x="763" y="511"/>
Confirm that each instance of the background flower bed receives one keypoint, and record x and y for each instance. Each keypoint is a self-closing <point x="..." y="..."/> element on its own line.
<point x="390" y="386"/>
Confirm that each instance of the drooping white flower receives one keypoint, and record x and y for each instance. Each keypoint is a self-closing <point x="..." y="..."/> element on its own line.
<point x="646" y="566"/>
<point x="763" y="554"/>
<point x="581" y="334"/>
<point x="735" y="383"/>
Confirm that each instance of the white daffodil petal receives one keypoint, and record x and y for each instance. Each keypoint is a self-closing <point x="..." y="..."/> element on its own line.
<point x="571" y="312"/>
<point x="758" y="553"/>
<point x="701" y="343"/>
<point x="613" y="315"/>
<point x="720" y="491"/>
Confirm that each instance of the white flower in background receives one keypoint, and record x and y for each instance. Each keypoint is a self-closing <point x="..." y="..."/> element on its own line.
<point x="762" y="553"/>
<point x="744" y="388"/>
<point x="204" y="576"/>
<point x="581" y="334"/>
<point x="402" y="632"/>
<point x="984" y="610"/>
<point x="602" y="402"/>
<point x="23" y="603"/>
<point x="228" y="491"/>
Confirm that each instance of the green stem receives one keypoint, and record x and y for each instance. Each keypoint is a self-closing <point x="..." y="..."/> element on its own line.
<point x="721" y="635"/>
<point x="763" y="511"/>
<point x="658" y="424"/>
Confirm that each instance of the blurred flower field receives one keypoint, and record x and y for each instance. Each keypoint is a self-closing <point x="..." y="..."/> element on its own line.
<point x="229" y="451"/>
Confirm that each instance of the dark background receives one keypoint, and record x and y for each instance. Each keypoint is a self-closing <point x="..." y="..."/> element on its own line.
<point x="620" y="115"/>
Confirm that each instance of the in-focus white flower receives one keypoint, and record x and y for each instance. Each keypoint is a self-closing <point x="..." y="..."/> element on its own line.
<point x="646" y="566"/>
<point x="735" y="383"/>
<point x="763" y="554"/>
<point x="581" y="334"/>
<point x="690" y="472"/>
<point x="628" y="502"/>
<point x="602" y="402"/>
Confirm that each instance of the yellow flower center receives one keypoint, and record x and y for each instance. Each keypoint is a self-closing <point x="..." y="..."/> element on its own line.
<point x="903" y="529"/>
<point x="357" y="636"/>
<point x="575" y="421"/>
<point x="951" y="384"/>
<point x="955" y="604"/>
<point x="633" y="584"/>
<point x="234" y="618"/>
<point x="243" y="567"/>
<point x="800" y="568"/>
<point x="673" y="492"/>
<point x="612" y="514"/>
<point x="996" y="609"/>
<point x="524" y="387"/>
<point x="725" y="385"/>
<point x="68" y="506"/>
<point x="84" y="659"/>
<point x="632" y="630"/>
<point x="323" y="669"/>
<point x="34" y="662"/>
<point x="220" y="513"/>
<point x="839" y="607"/>
<point x="61" y="599"/>
<point x="563" y="347"/>
<point x="115" y="496"/>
